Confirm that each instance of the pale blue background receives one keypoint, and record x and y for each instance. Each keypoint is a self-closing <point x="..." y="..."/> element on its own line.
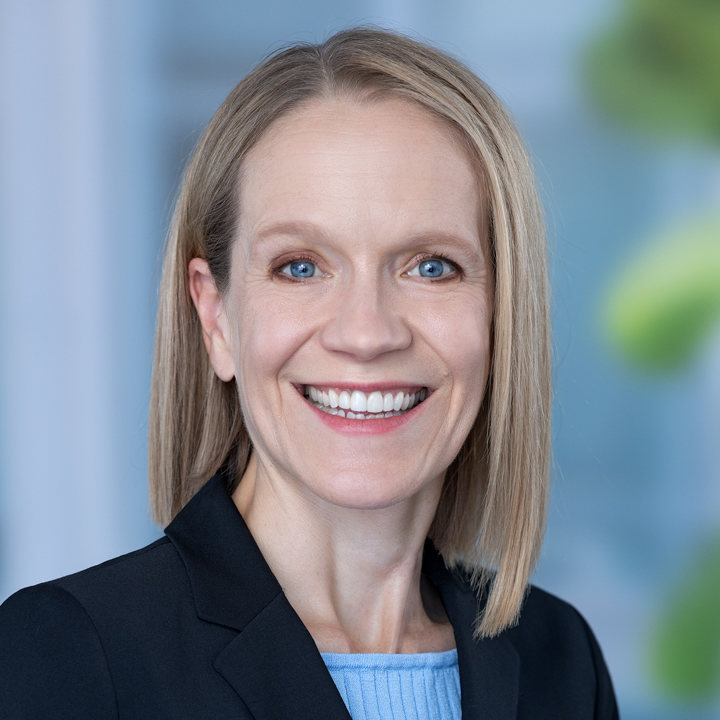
<point x="101" y="104"/>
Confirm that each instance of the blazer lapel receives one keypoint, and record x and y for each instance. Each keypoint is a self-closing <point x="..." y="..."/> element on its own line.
<point x="275" y="667"/>
<point x="272" y="663"/>
<point x="489" y="668"/>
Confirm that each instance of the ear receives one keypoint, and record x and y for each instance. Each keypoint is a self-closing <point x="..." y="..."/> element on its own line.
<point x="211" y="311"/>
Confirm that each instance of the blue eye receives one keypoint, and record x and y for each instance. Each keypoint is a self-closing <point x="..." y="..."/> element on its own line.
<point x="433" y="268"/>
<point x="300" y="269"/>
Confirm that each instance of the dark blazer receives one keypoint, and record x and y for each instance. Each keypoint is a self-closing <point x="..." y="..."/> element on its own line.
<point x="196" y="626"/>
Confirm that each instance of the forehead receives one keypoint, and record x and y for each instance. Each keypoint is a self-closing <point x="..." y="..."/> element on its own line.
<point x="351" y="162"/>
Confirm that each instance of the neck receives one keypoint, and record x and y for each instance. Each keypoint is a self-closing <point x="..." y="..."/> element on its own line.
<point x="352" y="575"/>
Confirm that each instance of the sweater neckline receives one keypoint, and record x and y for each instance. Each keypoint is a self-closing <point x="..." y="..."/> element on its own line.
<point x="427" y="660"/>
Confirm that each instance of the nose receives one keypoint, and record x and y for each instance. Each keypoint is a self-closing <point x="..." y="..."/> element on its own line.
<point x="365" y="323"/>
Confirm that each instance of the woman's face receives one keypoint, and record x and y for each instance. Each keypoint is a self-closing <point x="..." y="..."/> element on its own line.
<point x="358" y="279"/>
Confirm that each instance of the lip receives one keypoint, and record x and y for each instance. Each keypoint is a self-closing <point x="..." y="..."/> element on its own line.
<point x="376" y="426"/>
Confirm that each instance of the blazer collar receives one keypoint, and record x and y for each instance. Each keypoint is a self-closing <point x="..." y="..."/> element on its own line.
<point x="234" y="587"/>
<point x="489" y="668"/>
<point x="230" y="580"/>
<point x="272" y="663"/>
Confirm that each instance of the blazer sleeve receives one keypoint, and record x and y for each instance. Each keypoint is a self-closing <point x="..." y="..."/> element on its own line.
<point x="52" y="663"/>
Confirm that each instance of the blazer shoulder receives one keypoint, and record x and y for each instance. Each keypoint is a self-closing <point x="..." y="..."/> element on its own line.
<point x="148" y="565"/>
<point x="545" y="623"/>
<point x="556" y="640"/>
<point x="546" y="618"/>
<point x="57" y="639"/>
<point x="52" y="662"/>
<point x="140" y="573"/>
<point x="542" y="607"/>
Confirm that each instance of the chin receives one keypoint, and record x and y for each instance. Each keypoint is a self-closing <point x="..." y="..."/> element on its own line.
<point x="365" y="492"/>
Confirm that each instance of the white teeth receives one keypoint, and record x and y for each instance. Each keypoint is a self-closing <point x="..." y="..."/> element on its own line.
<point x="358" y="405"/>
<point x="358" y="401"/>
<point x="375" y="402"/>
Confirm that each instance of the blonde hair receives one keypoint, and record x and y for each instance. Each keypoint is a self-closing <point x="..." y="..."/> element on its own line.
<point x="491" y="515"/>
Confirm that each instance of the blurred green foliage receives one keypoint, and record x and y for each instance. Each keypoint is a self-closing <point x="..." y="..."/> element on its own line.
<point x="658" y="67"/>
<point x="685" y="652"/>
<point x="666" y="303"/>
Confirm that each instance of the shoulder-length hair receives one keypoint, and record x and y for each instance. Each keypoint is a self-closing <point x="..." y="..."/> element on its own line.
<point x="491" y="515"/>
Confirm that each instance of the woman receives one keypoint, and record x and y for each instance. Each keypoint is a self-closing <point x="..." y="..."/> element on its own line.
<point x="352" y="344"/>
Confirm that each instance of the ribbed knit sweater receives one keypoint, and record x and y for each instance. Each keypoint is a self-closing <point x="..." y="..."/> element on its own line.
<point x="421" y="686"/>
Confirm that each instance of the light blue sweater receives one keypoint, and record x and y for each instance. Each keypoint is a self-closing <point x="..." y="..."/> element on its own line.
<point x="422" y="686"/>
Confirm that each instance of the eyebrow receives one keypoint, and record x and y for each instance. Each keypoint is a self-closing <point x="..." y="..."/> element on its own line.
<point x="315" y="232"/>
<point x="289" y="227"/>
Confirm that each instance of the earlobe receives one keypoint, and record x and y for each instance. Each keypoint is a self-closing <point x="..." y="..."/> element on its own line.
<point x="213" y="319"/>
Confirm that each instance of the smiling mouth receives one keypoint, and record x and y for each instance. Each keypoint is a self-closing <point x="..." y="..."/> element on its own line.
<point x="359" y="405"/>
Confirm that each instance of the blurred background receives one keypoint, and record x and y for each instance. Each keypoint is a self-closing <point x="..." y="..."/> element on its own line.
<point x="619" y="103"/>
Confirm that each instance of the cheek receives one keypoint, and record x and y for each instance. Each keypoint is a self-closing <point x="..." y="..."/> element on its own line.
<point x="460" y="334"/>
<point x="269" y="331"/>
